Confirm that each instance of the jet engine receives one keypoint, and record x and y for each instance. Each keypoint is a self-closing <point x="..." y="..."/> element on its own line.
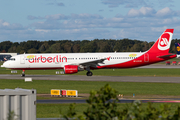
<point x="70" y="69"/>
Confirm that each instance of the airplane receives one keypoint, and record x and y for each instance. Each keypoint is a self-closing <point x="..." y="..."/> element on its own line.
<point x="75" y="62"/>
<point x="177" y="45"/>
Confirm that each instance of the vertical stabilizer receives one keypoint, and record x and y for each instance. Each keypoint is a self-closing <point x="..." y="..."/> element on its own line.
<point x="162" y="45"/>
<point x="177" y="45"/>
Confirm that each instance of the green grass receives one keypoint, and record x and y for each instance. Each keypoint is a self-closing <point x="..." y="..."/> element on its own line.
<point x="52" y="110"/>
<point x="126" y="88"/>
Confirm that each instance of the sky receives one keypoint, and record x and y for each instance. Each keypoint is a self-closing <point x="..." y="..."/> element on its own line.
<point x="42" y="20"/>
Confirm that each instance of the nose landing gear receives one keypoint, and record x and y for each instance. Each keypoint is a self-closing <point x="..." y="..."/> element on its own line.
<point x="23" y="73"/>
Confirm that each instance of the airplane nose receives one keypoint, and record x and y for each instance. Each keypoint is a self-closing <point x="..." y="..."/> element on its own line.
<point x="5" y="64"/>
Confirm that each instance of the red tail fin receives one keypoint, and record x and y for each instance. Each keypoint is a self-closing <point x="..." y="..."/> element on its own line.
<point x="163" y="43"/>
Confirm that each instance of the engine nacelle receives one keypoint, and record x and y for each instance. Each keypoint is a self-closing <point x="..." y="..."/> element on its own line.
<point x="70" y="69"/>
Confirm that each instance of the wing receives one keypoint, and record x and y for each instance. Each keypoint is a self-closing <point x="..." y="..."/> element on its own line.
<point x="166" y="56"/>
<point x="93" y="63"/>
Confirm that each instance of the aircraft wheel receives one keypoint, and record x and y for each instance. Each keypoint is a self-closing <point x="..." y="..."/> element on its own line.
<point x="22" y="75"/>
<point x="89" y="73"/>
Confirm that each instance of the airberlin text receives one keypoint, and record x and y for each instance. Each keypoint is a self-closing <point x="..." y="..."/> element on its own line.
<point x="47" y="59"/>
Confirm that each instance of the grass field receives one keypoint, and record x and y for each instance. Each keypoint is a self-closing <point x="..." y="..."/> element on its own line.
<point x="53" y="110"/>
<point x="126" y="88"/>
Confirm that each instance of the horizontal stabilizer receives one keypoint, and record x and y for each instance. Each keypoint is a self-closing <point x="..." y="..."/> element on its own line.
<point x="165" y="56"/>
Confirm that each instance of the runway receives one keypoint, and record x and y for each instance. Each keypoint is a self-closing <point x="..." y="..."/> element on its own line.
<point x="95" y="78"/>
<point x="102" y="78"/>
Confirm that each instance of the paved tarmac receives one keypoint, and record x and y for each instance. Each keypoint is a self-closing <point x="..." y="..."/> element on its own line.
<point x="103" y="78"/>
<point x="95" y="78"/>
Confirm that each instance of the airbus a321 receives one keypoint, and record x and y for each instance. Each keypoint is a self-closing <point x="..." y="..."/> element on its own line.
<point x="75" y="62"/>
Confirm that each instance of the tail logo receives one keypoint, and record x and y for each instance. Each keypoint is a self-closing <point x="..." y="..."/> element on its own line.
<point x="163" y="43"/>
<point x="178" y="48"/>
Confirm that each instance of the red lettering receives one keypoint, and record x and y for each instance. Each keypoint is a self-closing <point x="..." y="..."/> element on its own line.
<point x="49" y="59"/>
<point x="42" y="59"/>
<point x="59" y="58"/>
<point x="65" y="58"/>
<point x="38" y="59"/>
<point x="35" y="59"/>
<point x="55" y="58"/>
<point x="31" y="61"/>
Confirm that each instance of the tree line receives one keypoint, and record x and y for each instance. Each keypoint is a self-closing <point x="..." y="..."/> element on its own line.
<point x="78" y="46"/>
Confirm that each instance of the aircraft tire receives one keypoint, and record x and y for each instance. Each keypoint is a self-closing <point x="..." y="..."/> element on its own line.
<point x="89" y="73"/>
<point x="22" y="75"/>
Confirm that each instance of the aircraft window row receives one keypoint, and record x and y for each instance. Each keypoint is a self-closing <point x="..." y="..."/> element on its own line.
<point x="79" y="58"/>
<point x="45" y="59"/>
<point x="123" y="57"/>
<point x="87" y="58"/>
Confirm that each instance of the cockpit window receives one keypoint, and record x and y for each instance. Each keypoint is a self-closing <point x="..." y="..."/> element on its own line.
<point x="12" y="59"/>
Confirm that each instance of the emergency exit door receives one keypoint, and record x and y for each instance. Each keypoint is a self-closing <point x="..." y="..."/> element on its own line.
<point x="146" y="57"/>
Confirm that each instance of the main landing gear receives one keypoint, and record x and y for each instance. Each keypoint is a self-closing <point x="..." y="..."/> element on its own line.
<point x="89" y="73"/>
<point x="23" y="73"/>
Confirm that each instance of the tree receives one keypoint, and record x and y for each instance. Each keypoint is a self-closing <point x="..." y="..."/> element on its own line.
<point x="76" y="48"/>
<point x="68" y="47"/>
<point x="105" y="47"/>
<point x="32" y="50"/>
<point x="90" y="47"/>
<point x="100" y="104"/>
<point x="44" y="47"/>
<point x="103" y="106"/>
<point x="5" y="45"/>
<point x="136" y="48"/>
<point x="144" y="46"/>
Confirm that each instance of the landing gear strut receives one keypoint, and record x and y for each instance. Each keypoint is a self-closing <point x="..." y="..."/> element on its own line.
<point x="89" y="73"/>
<point x="23" y="73"/>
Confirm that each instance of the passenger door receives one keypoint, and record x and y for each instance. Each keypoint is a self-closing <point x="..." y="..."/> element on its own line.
<point x="22" y="60"/>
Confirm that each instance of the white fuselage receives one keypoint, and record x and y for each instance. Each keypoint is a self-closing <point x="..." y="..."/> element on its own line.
<point x="59" y="60"/>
